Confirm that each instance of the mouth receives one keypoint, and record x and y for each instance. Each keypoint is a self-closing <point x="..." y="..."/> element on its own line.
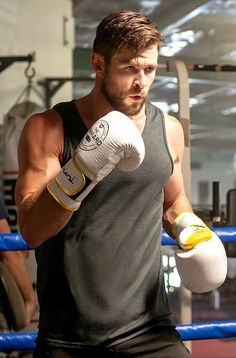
<point x="136" y="97"/>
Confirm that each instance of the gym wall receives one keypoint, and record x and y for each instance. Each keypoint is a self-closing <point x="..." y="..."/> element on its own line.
<point x="44" y="27"/>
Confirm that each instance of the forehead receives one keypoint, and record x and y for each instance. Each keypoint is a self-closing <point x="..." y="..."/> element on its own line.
<point x="125" y="55"/>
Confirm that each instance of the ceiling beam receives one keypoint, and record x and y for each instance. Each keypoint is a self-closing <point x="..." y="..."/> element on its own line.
<point x="170" y="14"/>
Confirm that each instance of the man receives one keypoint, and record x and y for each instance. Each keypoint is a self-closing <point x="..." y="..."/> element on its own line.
<point x="94" y="177"/>
<point x="14" y="269"/>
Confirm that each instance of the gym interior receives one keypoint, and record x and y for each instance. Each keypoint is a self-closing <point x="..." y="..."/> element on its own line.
<point x="45" y="59"/>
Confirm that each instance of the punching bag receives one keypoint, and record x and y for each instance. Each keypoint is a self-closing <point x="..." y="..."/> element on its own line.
<point x="13" y="124"/>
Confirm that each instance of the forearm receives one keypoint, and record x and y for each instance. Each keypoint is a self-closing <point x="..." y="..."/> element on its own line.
<point x="41" y="217"/>
<point x="171" y="211"/>
<point x="15" y="262"/>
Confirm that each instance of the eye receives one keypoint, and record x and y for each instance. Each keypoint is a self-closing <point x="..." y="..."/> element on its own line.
<point x="150" y="69"/>
<point x="130" y="68"/>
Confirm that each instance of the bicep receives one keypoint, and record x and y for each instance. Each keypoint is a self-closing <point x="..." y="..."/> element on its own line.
<point x="38" y="157"/>
<point x="175" y="199"/>
<point x="175" y="139"/>
<point x="174" y="186"/>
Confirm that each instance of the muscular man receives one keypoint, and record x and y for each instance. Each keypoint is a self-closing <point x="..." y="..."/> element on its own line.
<point x="92" y="200"/>
<point x="15" y="263"/>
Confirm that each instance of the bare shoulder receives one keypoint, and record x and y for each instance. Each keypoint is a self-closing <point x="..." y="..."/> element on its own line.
<point x="43" y="121"/>
<point x="175" y="136"/>
<point x="172" y="123"/>
<point x="43" y="129"/>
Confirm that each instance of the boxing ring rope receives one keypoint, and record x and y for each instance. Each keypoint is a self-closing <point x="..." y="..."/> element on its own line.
<point x="14" y="241"/>
<point x="226" y="234"/>
<point x="189" y="332"/>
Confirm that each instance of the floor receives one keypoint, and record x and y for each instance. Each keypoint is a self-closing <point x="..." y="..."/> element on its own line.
<point x="214" y="348"/>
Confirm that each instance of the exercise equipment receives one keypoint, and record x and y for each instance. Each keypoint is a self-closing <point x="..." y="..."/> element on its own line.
<point x="14" y="121"/>
<point x="12" y="300"/>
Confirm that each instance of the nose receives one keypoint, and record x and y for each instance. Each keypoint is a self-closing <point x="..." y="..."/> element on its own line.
<point x="140" y="81"/>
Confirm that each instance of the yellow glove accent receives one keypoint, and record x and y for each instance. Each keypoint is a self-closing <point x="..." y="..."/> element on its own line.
<point x="200" y="234"/>
<point x="190" y="230"/>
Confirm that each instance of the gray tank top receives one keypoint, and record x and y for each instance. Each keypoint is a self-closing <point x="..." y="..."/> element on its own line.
<point x="100" y="280"/>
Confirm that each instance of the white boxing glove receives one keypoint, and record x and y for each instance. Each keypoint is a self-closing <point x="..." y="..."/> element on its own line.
<point x="189" y="230"/>
<point x="113" y="140"/>
<point x="202" y="264"/>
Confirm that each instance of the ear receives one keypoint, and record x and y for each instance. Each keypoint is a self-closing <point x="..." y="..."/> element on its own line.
<point x="98" y="63"/>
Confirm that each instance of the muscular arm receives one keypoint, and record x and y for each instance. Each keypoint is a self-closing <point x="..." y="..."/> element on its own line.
<point x="40" y="147"/>
<point x="200" y="248"/>
<point x="175" y="199"/>
<point x="15" y="262"/>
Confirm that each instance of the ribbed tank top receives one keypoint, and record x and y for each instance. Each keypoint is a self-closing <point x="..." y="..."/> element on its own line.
<point x="100" y="280"/>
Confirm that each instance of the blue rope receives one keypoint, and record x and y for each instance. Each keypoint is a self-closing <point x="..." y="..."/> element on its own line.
<point x="188" y="332"/>
<point x="12" y="242"/>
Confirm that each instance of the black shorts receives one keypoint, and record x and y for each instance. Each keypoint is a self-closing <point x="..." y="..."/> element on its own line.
<point x="158" y="342"/>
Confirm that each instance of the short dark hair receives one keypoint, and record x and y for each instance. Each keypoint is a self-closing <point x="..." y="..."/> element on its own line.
<point x="125" y="28"/>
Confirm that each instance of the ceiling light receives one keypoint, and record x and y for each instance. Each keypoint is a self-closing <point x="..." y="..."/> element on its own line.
<point x="230" y="56"/>
<point x="169" y="51"/>
<point x="192" y="14"/>
<point x="229" y="111"/>
<point x="162" y="105"/>
<point x="174" y="107"/>
<point x="171" y="85"/>
<point x="179" y="40"/>
<point x="148" y="6"/>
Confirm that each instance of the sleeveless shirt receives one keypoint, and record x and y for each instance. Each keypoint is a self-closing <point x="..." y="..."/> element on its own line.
<point x="100" y="280"/>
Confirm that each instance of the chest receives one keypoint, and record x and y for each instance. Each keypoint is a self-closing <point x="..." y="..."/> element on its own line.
<point x="157" y="165"/>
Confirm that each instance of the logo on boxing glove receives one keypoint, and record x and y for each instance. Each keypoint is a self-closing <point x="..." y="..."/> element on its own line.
<point x="70" y="178"/>
<point x="95" y="136"/>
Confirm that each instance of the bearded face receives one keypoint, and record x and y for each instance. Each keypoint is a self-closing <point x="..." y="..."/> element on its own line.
<point x="125" y="80"/>
<point x="129" y="102"/>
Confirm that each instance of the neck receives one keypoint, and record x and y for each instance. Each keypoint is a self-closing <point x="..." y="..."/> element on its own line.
<point x="94" y="106"/>
<point x="140" y="119"/>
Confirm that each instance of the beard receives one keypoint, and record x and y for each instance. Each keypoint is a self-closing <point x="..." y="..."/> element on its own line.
<point x="116" y="97"/>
